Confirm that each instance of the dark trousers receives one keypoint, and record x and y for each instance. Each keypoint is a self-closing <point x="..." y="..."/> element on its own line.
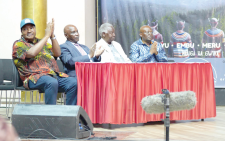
<point x="51" y="86"/>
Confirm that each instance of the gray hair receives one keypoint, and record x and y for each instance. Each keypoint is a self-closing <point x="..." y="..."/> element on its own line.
<point x="104" y="28"/>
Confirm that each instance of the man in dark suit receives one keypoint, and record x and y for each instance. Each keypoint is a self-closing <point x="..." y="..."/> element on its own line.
<point x="72" y="51"/>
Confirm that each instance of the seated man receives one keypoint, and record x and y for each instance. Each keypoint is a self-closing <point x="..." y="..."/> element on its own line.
<point x="72" y="52"/>
<point x="145" y="49"/>
<point x="113" y="51"/>
<point x="34" y="59"/>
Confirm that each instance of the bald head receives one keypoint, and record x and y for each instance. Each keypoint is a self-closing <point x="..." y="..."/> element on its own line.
<point x="71" y="33"/>
<point x="146" y="33"/>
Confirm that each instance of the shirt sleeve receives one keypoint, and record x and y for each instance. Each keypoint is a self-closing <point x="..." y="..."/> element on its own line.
<point x="135" y="54"/>
<point x="19" y="50"/>
<point x="161" y="56"/>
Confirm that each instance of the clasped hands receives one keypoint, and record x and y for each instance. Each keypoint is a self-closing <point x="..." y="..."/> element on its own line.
<point x="153" y="49"/>
<point x="49" y="31"/>
<point x="97" y="52"/>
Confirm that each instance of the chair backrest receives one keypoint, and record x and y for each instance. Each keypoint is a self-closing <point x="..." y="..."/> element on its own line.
<point x="60" y="65"/>
<point x="1" y="72"/>
<point x="7" y="69"/>
<point x="16" y="78"/>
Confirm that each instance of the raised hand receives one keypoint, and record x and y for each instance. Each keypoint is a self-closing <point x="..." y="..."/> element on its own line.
<point x="153" y="49"/>
<point x="48" y="30"/>
<point x="92" y="51"/>
<point x="99" y="51"/>
<point x="53" y="27"/>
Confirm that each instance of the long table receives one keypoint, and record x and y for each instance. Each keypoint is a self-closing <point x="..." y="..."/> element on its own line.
<point x="112" y="92"/>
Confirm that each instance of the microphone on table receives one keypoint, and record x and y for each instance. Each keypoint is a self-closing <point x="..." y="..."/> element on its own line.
<point x="178" y="101"/>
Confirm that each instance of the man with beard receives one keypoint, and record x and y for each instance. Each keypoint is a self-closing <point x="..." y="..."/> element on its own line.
<point x="145" y="49"/>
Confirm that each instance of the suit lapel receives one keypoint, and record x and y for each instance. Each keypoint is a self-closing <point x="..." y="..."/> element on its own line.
<point x="72" y="47"/>
<point x="86" y="49"/>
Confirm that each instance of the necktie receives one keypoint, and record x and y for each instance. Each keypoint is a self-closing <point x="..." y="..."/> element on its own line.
<point x="116" y="54"/>
<point x="81" y="50"/>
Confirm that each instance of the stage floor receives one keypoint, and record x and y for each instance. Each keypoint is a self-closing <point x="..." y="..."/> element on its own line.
<point x="189" y="130"/>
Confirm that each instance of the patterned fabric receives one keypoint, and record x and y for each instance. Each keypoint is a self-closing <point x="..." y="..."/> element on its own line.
<point x="116" y="54"/>
<point x="33" y="68"/>
<point x="182" y="38"/>
<point x="214" y="36"/>
<point x="140" y="52"/>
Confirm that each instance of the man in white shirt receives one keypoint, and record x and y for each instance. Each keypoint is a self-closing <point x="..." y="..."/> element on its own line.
<point x="113" y="52"/>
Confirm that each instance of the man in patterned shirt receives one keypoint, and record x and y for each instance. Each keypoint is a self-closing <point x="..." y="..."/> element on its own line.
<point x="36" y="64"/>
<point x="145" y="49"/>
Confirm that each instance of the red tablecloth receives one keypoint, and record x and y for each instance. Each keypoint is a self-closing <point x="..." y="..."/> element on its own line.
<point x="112" y="92"/>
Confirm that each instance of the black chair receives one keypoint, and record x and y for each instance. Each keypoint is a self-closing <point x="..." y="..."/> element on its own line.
<point x="18" y="85"/>
<point x="61" y="69"/>
<point x="6" y="74"/>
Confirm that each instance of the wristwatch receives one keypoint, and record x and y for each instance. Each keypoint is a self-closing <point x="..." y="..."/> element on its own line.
<point x="53" y="38"/>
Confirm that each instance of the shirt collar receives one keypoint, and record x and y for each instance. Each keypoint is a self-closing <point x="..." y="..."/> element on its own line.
<point x="74" y="43"/>
<point x="102" y="40"/>
<point x="141" y="43"/>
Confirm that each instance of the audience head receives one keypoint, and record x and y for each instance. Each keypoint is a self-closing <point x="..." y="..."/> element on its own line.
<point x="107" y="32"/>
<point x="7" y="131"/>
<point x="180" y="25"/>
<point x="28" y="29"/>
<point x="71" y="33"/>
<point x="213" y="22"/>
<point x="146" y="33"/>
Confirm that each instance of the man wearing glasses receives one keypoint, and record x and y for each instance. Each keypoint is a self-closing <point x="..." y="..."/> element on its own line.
<point x="146" y="49"/>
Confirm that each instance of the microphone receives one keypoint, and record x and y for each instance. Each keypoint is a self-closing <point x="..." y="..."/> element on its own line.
<point x="185" y="100"/>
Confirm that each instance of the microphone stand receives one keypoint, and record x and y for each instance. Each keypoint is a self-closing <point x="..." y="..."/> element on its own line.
<point x="167" y="112"/>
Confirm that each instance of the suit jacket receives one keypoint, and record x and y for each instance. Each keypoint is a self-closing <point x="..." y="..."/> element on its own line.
<point x="107" y="55"/>
<point x="70" y="54"/>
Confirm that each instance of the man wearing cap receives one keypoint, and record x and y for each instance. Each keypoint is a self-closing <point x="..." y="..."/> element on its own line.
<point x="36" y="64"/>
<point x="145" y="49"/>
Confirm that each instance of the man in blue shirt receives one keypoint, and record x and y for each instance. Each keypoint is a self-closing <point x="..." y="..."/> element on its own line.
<point x="145" y="49"/>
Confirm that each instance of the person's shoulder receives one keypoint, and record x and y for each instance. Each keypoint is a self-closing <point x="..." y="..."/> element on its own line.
<point x="18" y="42"/>
<point x="187" y="34"/>
<point x="158" y="44"/>
<point x="116" y="43"/>
<point x="63" y="45"/>
<point x="136" y="43"/>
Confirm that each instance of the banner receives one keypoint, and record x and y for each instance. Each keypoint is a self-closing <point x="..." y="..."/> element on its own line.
<point x="189" y="30"/>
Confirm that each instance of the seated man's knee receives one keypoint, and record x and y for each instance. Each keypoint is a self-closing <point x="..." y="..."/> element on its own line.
<point x="72" y="84"/>
<point x="51" y="83"/>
